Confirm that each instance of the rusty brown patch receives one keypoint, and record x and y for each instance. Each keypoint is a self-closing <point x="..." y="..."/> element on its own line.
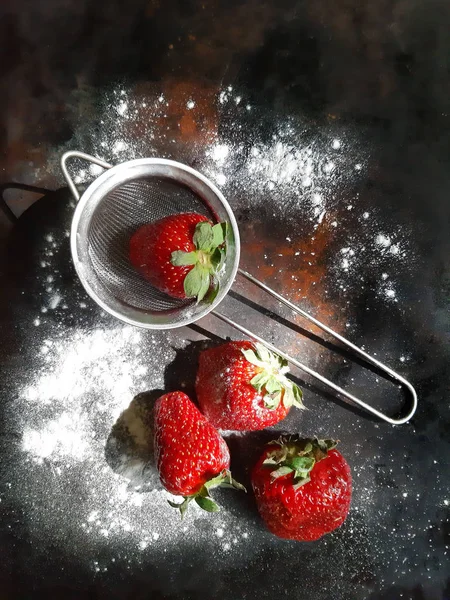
<point x="199" y="124"/>
<point x="296" y="270"/>
<point x="172" y="119"/>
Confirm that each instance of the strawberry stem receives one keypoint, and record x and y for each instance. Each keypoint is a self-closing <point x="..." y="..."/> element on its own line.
<point x="207" y="260"/>
<point x="202" y="497"/>
<point x="271" y="380"/>
<point x="298" y="456"/>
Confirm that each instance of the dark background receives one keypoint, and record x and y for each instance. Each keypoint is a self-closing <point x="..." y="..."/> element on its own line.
<point x="375" y="74"/>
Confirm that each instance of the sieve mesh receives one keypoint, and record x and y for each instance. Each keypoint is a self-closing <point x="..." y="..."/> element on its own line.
<point x="114" y="220"/>
<point x="113" y="207"/>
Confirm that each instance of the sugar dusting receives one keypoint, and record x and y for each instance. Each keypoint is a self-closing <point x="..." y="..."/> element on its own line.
<point x="308" y="177"/>
<point x="88" y="376"/>
<point x="84" y="426"/>
<point x="86" y="381"/>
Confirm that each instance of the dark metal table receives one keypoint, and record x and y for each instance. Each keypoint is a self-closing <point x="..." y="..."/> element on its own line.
<point x="327" y="128"/>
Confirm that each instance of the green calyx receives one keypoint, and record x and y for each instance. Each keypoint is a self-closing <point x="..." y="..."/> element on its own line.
<point x="207" y="260"/>
<point x="271" y="380"/>
<point x="292" y="454"/>
<point x="202" y="497"/>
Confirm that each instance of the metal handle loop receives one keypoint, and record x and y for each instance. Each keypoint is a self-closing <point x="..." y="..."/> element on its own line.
<point x="83" y="156"/>
<point x="369" y="359"/>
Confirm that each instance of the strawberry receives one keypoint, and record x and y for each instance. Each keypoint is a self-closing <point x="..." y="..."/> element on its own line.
<point x="191" y="456"/>
<point x="180" y="254"/>
<point x="303" y="488"/>
<point x="242" y="386"/>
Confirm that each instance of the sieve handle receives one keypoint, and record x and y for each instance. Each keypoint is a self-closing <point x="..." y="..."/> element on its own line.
<point x="346" y="343"/>
<point x="340" y="391"/>
<point x="87" y="157"/>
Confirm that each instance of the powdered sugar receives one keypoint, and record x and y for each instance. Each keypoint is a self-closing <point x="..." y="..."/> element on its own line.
<point x="299" y="174"/>
<point x="69" y="410"/>
<point x="87" y="379"/>
<point x="58" y="438"/>
<point x="80" y="364"/>
<point x="85" y="423"/>
<point x="383" y="240"/>
<point x="219" y="153"/>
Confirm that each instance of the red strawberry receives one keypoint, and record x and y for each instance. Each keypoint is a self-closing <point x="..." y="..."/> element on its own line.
<point x="180" y="254"/>
<point x="191" y="456"/>
<point x="242" y="386"/>
<point x="303" y="488"/>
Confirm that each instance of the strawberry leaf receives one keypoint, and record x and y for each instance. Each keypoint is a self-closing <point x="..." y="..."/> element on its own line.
<point x="218" y="258"/>
<point x="272" y="378"/>
<point x="208" y="259"/>
<point x="283" y="364"/>
<point x="207" y="504"/>
<point x="301" y="482"/>
<point x="181" y="259"/>
<point x="230" y="482"/>
<point x="213" y="291"/>
<point x="206" y="282"/>
<point x="298" y="396"/>
<point x="203" y="236"/>
<point x="196" y="282"/>
<point x="183" y="506"/>
<point x="302" y="464"/>
<point x="219" y="232"/>
<point x="279" y="455"/>
<point x="280" y="472"/>
<point x="223" y="479"/>
<point x="297" y="455"/>
<point x="272" y="401"/>
<point x="202" y="497"/>
<point x="259" y="380"/>
<point x="321" y="448"/>
<point x="326" y="445"/>
<point x="293" y="395"/>
<point x="235" y="485"/>
<point x="212" y="483"/>
<point x="263" y="353"/>
<point x="273" y="385"/>
<point x="251" y="356"/>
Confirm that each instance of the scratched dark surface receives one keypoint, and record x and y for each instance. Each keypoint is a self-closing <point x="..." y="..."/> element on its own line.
<point x="360" y="92"/>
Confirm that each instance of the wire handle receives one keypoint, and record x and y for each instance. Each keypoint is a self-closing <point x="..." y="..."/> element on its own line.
<point x="83" y="156"/>
<point x="343" y="341"/>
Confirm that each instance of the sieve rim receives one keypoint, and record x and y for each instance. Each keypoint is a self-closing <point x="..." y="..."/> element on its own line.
<point x="106" y="182"/>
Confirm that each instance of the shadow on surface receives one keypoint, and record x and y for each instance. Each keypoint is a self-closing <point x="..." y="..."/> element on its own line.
<point x="245" y="449"/>
<point x="332" y="346"/>
<point x="129" y="449"/>
<point x="180" y="374"/>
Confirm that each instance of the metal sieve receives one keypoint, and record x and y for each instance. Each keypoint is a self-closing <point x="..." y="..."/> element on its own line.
<point x="141" y="191"/>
